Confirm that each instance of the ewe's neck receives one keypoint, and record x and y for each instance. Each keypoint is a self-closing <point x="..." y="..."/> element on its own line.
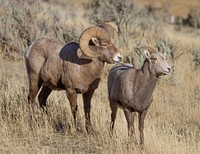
<point x="147" y="73"/>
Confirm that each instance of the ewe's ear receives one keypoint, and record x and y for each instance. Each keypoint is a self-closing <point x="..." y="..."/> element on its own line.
<point x="95" y="41"/>
<point x="165" y="54"/>
<point x="147" y="54"/>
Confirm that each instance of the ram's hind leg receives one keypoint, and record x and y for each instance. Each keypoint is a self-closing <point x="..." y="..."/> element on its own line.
<point x="43" y="95"/>
<point x="34" y="86"/>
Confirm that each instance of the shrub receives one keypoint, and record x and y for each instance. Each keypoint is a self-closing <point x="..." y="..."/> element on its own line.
<point x="28" y="20"/>
<point x="196" y="57"/>
<point x="121" y="12"/>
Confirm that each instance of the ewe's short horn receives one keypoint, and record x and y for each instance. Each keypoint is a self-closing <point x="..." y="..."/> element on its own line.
<point x="93" y="32"/>
<point x="150" y="49"/>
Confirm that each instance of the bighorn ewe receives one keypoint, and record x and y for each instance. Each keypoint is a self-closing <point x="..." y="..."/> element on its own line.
<point x="131" y="89"/>
<point x="73" y="67"/>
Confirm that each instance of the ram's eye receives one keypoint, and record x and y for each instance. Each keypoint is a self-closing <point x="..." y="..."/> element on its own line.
<point x="104" y="45"/>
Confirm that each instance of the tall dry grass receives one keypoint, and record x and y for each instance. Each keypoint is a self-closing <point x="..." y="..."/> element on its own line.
<point x="172" y="124"/>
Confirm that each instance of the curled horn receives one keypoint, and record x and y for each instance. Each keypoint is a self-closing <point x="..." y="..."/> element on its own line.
<point x="110" y="30"/>
<point x="89" y="49"/>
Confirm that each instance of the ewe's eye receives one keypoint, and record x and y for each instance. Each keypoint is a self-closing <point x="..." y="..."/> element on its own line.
<point x="154" y="59"/>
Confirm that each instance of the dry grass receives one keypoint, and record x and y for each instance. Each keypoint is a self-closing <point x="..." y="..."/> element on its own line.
<point x="172" y="124"/>
<point x="184" y="3"/>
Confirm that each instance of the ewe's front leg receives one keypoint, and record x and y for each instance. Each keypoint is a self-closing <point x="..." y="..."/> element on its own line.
<point x="130" y="121"/>
<point x="72" y="96"/>
<point x="141" y="117"/>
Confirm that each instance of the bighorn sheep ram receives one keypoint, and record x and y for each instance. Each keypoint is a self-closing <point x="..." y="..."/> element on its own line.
<point x="73" y="67"/>
<point x="132" y="89"/>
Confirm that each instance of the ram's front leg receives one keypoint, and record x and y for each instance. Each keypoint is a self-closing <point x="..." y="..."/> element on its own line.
<point x="87" y="108"/>
<point x="72" y="96"/>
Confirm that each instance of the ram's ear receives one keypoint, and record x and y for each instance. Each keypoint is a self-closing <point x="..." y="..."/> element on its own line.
<point x="95" y="41"/>
<point x="147" y="54"/>
<point x="80" y="54"/>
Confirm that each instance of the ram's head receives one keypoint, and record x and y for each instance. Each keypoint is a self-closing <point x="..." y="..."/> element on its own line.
<point x="95" y="42"/>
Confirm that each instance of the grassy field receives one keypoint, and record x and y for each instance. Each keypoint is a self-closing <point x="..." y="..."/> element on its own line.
<point x="172" y="124"/>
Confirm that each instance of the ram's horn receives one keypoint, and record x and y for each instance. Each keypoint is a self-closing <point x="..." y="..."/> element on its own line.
<point x="88" y="48"/>
<point x="113" y="32"/>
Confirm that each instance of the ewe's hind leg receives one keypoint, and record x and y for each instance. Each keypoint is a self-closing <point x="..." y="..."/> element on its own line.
<point x="43" y="95"/>
<point x="113" y="108"/>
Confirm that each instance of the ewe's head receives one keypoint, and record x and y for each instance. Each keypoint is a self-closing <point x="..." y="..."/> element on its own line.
<point x="157" y="61"/>
<point x="95" y="42"/>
